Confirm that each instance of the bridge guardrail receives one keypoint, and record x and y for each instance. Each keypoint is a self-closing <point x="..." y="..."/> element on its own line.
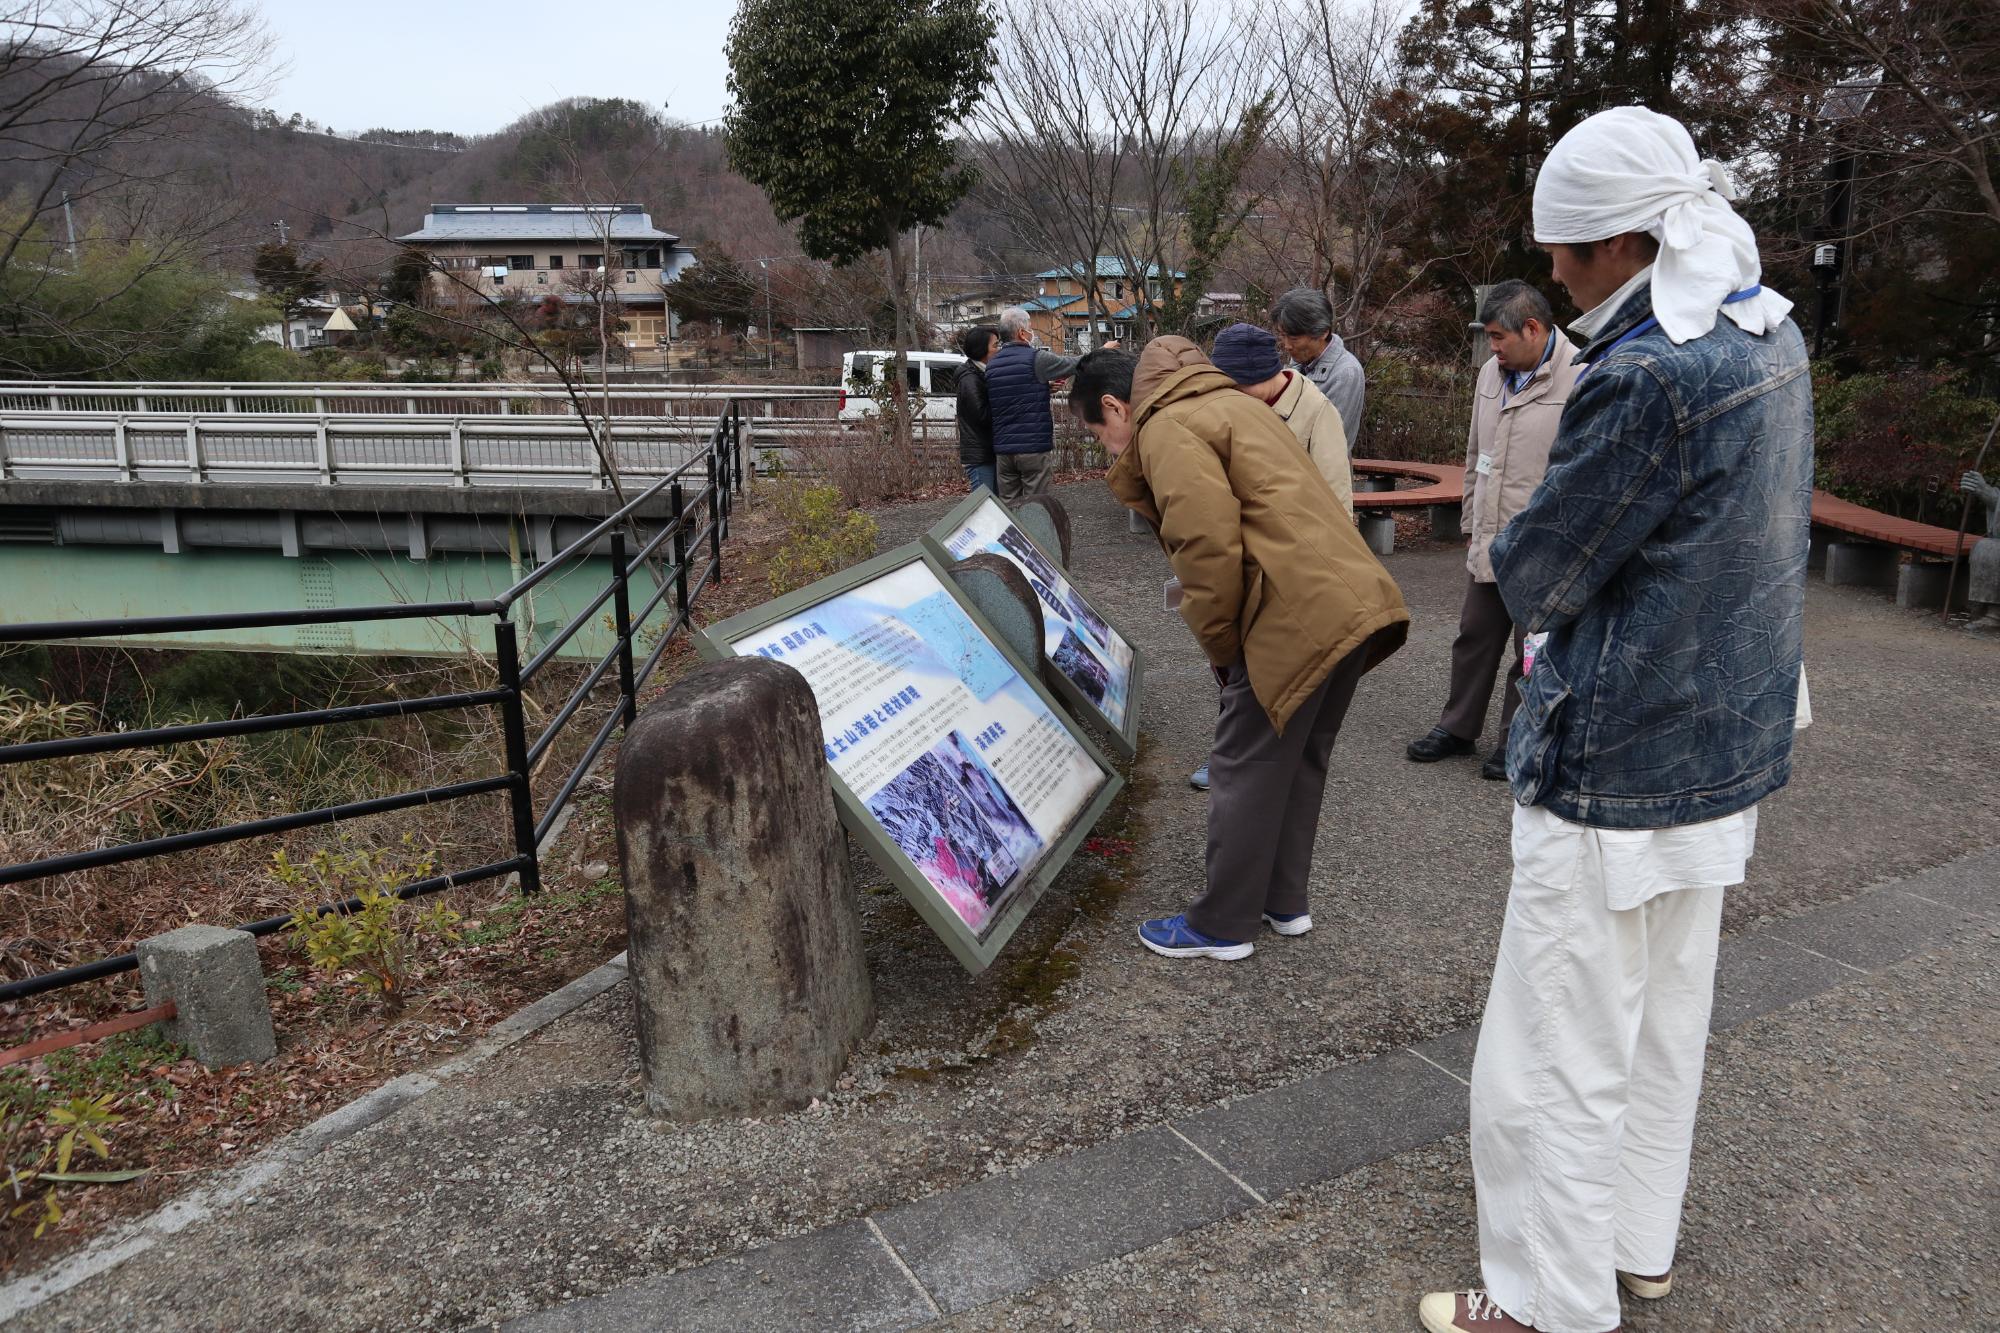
<point x="698" y="517"/>
<point x="346" y="449"/>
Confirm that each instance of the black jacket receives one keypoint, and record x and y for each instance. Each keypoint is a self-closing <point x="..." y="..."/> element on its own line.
<point x="975" y="417"/>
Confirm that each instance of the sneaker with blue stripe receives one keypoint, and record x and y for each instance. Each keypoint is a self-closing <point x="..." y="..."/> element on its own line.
<point x="1289" y="923"/>
<point x="1173" y="937"/>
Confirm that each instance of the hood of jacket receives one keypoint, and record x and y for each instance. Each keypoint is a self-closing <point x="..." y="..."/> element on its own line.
<point x="1273" y="572"/>
<point x="1171" y="369"/>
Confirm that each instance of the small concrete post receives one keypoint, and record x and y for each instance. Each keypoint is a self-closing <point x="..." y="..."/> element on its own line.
<point x="1004" y="596"/>
<point x="1920" y="585"/>
<point x="1379" y="531"/>
<point x="1137" y="525"/>
<point x="1861" y="564"/>
<point x="1044" y="518"/>
<point x="1447" y="522"/>
<point x="217" y="985"/>
<point x="745" y="947"/>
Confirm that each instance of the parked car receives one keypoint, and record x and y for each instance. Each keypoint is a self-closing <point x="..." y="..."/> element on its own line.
<point x="933" y="380"/>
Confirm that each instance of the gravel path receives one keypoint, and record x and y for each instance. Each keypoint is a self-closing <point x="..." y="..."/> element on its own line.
<point x="534" y="1180"/>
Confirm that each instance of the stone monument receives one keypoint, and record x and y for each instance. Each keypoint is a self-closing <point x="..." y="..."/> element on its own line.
<point x="1004" y="596"/>
<point x="748" y="978"/>
<point x="1983" y="568"/>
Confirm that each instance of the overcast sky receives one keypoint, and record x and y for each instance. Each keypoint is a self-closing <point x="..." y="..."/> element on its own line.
<point x="474" y="65"/>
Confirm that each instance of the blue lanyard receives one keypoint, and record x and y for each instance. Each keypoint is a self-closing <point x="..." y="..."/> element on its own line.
<point x="1649" y="323"/>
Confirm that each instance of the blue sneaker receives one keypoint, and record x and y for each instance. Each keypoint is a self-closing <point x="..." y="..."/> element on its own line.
<point x="1199" y="778"/>
<point x="1289" y="923"/>
<point x="1173" y="937"/>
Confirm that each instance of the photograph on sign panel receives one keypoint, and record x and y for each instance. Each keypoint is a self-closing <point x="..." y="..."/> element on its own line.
<point x="1078" y="642"/>
<point x="952" y="817"/>
<point x="1084" y="671"/>
<point x="960" y="761"/>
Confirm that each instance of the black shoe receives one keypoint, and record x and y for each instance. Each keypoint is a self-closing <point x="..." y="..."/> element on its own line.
<point x="1495" y="767"/>
<point x="1440" y="744"/>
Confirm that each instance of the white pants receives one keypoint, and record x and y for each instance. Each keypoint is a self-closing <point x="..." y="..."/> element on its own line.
<point x="1586" y="1079"/>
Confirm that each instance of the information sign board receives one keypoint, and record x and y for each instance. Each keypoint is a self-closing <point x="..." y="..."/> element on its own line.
<point x="950" y="761"/>
<point x="1095" y="668"/>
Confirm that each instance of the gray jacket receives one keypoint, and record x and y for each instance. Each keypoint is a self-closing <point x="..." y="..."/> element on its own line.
<point x="1338" y="375"/>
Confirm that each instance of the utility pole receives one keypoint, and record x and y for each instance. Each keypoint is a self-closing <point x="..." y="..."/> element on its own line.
<point x="69" y="224"/>
<point x="282" y="238"/>
<point x="770" y="334"/>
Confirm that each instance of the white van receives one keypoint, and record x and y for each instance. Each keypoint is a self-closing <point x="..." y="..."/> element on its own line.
<point x="933" y="383"/>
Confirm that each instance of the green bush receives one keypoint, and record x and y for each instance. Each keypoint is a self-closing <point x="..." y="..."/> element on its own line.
<point x="1417" y="412"/>
<point x="823" y="537"/>
<point x="1897" y="440"/>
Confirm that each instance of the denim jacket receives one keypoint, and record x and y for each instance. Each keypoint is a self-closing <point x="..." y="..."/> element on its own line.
<point x="1665" y="555"/>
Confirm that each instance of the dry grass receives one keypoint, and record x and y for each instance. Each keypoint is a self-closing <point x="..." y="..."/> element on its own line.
<point x="334" y="1042"/>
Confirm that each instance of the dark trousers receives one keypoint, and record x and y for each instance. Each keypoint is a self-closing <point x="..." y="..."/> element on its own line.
<point x="1263" y="801"/>
<point x="1483" y="629"/>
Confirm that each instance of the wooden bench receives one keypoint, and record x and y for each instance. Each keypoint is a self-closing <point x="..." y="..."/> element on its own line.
<point x="1869" y="546"/>
<point x="1867" y="550"/>
<point x="1443" y="492"/>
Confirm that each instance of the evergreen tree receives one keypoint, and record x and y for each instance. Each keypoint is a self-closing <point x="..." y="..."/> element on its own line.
<point x="842" y="112"/>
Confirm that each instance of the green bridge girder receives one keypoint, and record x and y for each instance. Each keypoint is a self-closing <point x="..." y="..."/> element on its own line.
<point x="40" y="583"/>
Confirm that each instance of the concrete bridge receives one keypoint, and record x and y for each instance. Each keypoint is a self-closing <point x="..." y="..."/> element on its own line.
<point x="128" y="500"/>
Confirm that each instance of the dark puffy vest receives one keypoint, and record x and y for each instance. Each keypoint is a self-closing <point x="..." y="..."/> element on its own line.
<point x="1022" y="421"/>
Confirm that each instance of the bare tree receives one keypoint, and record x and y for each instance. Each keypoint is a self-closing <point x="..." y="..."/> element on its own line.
<point x="1336" y="189"/>
<point x="1176" y="70"/>
<point x="90" y="93"/>
<point x="1054" y="146"/>
<point x="1910" y="90"/>
<point x="1097" y="127"/>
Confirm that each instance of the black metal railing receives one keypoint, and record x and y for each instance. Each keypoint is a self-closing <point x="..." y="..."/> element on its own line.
<point x="697" y="519"/>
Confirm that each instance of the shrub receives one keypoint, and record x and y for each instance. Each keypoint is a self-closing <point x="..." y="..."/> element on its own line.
<point x="823" y="536"/>
<point x="377" y="940"/>
<point x="28" y="1153"/>
<point x="1417" y="412"/>
<point x="1896" y="440"/>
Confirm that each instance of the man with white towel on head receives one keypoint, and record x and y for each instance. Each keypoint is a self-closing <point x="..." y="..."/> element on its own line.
<point x="1660" y="574"/>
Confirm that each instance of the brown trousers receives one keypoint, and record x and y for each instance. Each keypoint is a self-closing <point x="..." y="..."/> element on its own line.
<point x="1483" y="628"/>
<point x="1263" y="801"/>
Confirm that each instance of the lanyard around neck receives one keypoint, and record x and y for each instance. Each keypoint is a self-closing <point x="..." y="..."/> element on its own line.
<point x="1508" y="388"/>
<point x="1651" y="322"/>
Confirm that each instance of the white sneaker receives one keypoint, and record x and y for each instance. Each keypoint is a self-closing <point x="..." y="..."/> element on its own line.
<point x="1646" y="1288"/>
<point x="1298" y="923"/>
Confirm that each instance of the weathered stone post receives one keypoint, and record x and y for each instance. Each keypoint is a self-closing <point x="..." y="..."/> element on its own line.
<point x="217" y="985"/>
<point x="1003" y="595"/>
<point x="1044" y="518"/>
<point x="745" y="947"/>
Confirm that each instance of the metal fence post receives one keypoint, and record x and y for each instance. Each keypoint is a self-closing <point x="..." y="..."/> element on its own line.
<point x="621" y="606"/>
<point x="679" y="503"/>
<point x="717" y="478"/>
<point x="507" y="655"/>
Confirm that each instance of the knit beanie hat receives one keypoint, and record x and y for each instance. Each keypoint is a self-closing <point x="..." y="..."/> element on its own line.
<point x="1246" y="353"/>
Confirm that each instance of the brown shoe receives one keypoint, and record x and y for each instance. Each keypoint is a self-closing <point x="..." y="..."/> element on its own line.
<point x="1468" y="1312"/>
<point x="1647" y="1288"/>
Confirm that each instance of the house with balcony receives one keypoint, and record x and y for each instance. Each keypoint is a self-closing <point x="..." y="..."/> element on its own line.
<point x="1060" y="311"/>
<point x="536" y="250"/>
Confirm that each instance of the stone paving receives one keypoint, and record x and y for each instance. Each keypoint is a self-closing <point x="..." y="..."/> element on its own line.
<point x="1271" y="1144"/>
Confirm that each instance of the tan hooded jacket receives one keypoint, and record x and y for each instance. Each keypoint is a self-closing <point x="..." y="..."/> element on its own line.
<point x="1316" y="422"/>
<point x="1271" y="570"/>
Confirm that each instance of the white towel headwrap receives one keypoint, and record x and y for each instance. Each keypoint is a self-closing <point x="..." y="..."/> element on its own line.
<point x="1630" y="169"/>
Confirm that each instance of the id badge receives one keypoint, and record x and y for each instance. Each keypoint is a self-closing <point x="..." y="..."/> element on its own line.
<point x="1484" y="467"/>
<point x="1531" y="647"/>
